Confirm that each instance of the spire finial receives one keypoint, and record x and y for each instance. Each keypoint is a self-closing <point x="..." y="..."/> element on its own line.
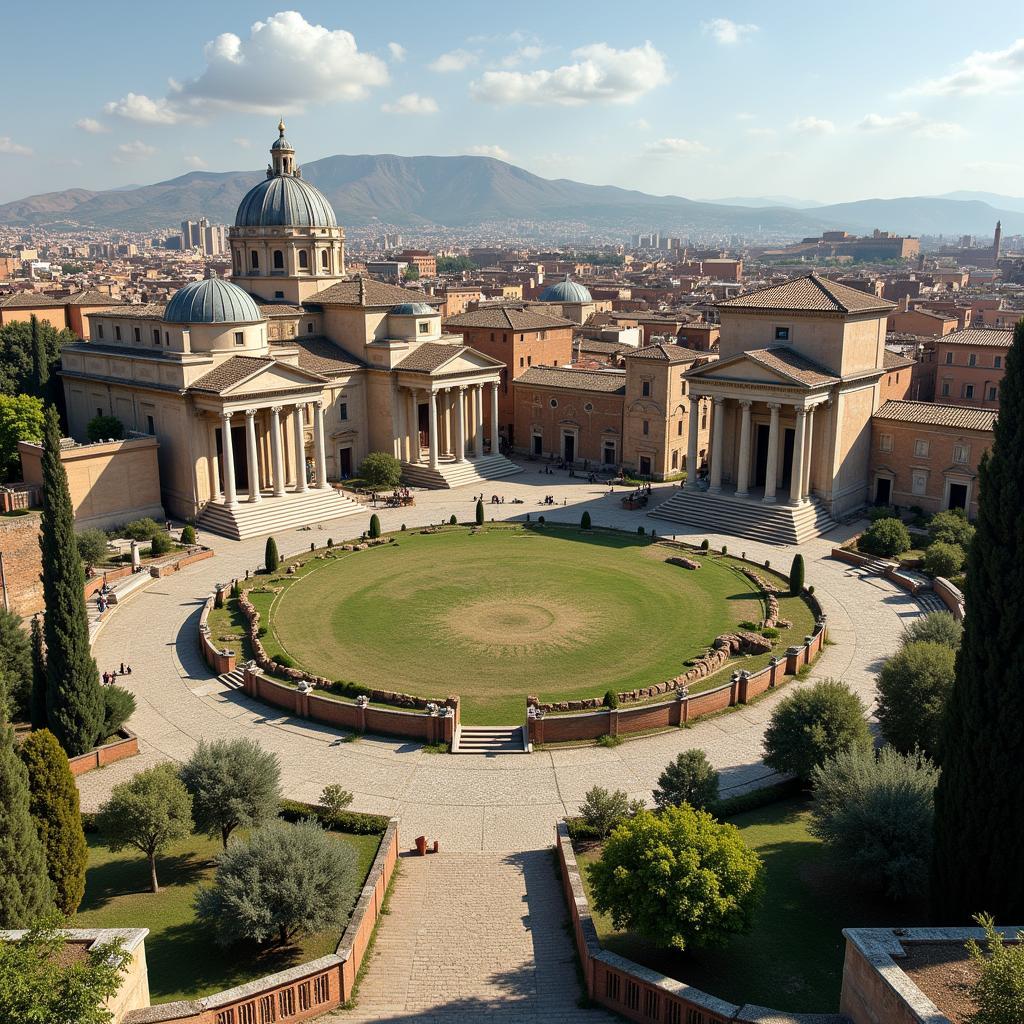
<point x="280" y="128"/>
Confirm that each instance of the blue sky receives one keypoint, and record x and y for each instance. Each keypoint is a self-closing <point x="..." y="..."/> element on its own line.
<point x="872" y="99"/>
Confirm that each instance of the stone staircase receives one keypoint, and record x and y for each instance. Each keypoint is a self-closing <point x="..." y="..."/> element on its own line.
<point x="740" y="517"/>
<point x="490" y="739"/>
<point x="277" y="513"/>
<point x="450" y="473"/>
<point x="233" y="680"/>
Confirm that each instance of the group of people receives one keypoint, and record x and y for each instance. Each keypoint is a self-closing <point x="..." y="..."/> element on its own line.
<point x="109" y="677"/>
<point x="399" y="496"/>
<point x="103" y="598"/>
<point x="549" y="499"/>
<point x="495" y="500"/>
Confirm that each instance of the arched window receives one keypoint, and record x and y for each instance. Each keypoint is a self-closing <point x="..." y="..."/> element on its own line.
<point x="303" y="260"/>
<point x="323" y="258"/>
<point x="278" y="259"/>
<point x="254" y="260"/>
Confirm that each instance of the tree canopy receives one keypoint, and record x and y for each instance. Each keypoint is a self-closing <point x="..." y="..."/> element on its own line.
<point x="21" y="419"/>
<point x="18" y="373"/>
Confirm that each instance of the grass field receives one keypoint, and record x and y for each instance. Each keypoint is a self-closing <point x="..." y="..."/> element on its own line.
<point x="184" y="961"/>
<point x="793" y="958"/>
<point x="558" y="613"/>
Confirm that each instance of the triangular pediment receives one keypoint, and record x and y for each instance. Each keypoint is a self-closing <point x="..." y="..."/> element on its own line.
<point x="468" y="360"/>
<point x="275" y="376"/>
<point x="740" y="367"/>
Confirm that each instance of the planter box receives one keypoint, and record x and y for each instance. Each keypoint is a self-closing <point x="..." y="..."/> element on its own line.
<point x="127" y="746"/>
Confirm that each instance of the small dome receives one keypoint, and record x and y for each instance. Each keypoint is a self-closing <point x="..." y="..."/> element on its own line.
<point x="414" y="309"/>
<point x="212" y="301"/>
<point x="282" y="143"/>
<point x="285" y="201"/>
<point x="566" y="291"/>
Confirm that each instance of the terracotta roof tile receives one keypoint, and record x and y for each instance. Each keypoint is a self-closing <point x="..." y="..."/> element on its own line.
<point x="979" y="336"/>
<point x="319" y="355"/>
<point x="230" y="372"/>
<point x="606" y="381"/>
<point x="665" y="352"/>
<point x="505" y="318"/>
<point x="810" y="294"/>
<point x="894" y="361"/>
<point x="958" y="417"/>
<point x="375" y="293"/>
<point x="792" y="364"/>
<point x="429" y="356"/>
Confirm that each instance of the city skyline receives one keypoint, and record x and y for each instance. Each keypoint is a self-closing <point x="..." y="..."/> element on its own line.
<point x="750" y="102"/>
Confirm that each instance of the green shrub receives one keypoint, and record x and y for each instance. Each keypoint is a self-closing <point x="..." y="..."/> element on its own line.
<point x="640" y="530"/>
<point x="541" y="520"/>
<point x="886" y="538"/>
<point x="607" y="740"/>
<point x="454" y="521"/>
<point x="335" y="799"/>
<point x="680" y="879"/>
<point x="749" y="624"/>
<point x="141" y="529"/>
<point x="602" y="810"/>
<point x="104" y="428"/>
<point x="374" y="526"/>
<point x="284" y="660"/>
<point x="271" y="559"/>
<point x="705" y="545"/>
<point x="796" y="575"/>
<point x="585" y="520"/>
<point x="352" y="822"/>
<point x="998" y="993"/>
<point x="951" y="527"/>
<point x="935" y="627"/>
<point x="92" y="546"/>
<point x="881" y="512"/>
<point x="914" y="688"/>
<point x="160" y="544"/>
<point x="942" y="559"/>
<point x="580" y="831"/>
<point x="725" y="549"/>
<point x="876" y="814"/>
<point x="188" y="534"/>
<point x="770" y="633"/>
<point x="689" y="779"/>
<point x="381" y="469"/>
<point x="479" y="513"/>
<point x="118" y="707"/>
<point x="330" y="543"/>
<point x="611" y="699"/>
<point x="812" y="724"/>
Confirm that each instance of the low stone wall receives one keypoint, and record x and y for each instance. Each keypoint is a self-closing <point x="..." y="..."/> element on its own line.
<point x="193" y="555"/>
<point x="952" y="597"/>
<point x="893" y="573"/>
<point x="127" y="746"/>
<point x="302" y="992"/>
<point x="219" y="659"/>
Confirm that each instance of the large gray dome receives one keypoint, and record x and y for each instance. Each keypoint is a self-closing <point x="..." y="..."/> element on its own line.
<point x="285" y="201"/>
<point x="212" y="301"/>
<point x="566" y="291"/>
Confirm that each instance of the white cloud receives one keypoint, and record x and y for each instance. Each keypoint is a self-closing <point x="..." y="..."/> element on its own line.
<point x="411" y="103"/>
<point x="196" y="162"/>
<point x="138" y="107"/>
<point x="744" y="116"/>
<point x="727" y="32"/>
<point x="910" y="122"/>
<point x="676" y="147"/>
<point x="761" y="133"/>
<point x="133" y="151"/>
<point x="91" y="125"/>
<point x="397" y="51"/>
<point x="524" y="53"/>
<point x="11" y="148"/>
<point x="495" y="151"/>
<point x="979" y="73"/>
<point x="813" y="126"/>
<point x="641" y="124"/>
<point x="243" y="143"/>
<point x="456" y="60"/>
<point x="600" y="73"/>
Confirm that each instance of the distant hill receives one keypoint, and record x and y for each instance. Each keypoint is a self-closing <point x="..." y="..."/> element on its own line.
<point x="462" y="190"/>
<point x="762" y="201"/>
<point x="1015" y="203"/>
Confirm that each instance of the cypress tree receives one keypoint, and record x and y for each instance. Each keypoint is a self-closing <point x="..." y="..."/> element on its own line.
<point x="374" y="526"/>
<point x="979" y="801"/>
<point x="271" y="559"/>
<point x="24" y="885"/>
<point x="74" y="700"/>
<point x="40" y="363"/>
<point x="585" y="521"/>
<point x="479" y="512"/>
<point x="37" y="702"/>
<point x="53" y="804"/>
<point x="796" y="575"/>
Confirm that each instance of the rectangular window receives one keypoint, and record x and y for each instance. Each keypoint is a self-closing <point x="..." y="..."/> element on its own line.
<point x="968" y="391"/>
<point x="343" y="411"/>
<point x="945" y="389"/>
<point x="921" y="449"/>
<point x="949" y="358"/>
<point x="885" y="442"/>
<point x="998" y="362"/>
<point x="521" y="362"/>
<point x="117" y="332"/>
<point x="647" y="427"/>
<point x="782" y="334"/>
<point x="919" y="481"/>
<point x="424" y="327"/>
<point x="679" y="429"/>
<point x="529" y="360"/>
<point x="961" y="453"/>
<point x="138" y="334"/>
<point x="99" y="331"/>
<point x="993" y="394"/>
<point x="239" y="337"/>
<point x="167" y="338"/>
<point x="156" y="335"/>
<point x="972" y="359"/>
<point x="309" y="327"/>
<point x="645" y="389"/>
<point x="150" y="425"/>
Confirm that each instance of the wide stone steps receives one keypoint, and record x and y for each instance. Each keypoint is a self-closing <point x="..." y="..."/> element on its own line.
<point x="458" y="474"/>
<point x="235" y="679"/>
<point x="490" y="739"/>
<point x="250" y="519"/>
<point x="740" y="517"/>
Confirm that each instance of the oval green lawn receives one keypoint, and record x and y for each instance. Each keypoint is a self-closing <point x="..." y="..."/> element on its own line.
<point x="505" y="613"/>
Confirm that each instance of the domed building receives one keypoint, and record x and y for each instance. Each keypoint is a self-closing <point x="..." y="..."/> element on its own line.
<point x="566" y="291"/>
<point x="264" y="390"/>
<point x="572" y="300"/>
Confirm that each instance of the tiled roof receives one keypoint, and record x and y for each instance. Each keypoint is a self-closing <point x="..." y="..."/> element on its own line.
<point x="931" y="414"/>
<point x="93" y="297"/>
<point x="895" y="361"/>
<point x="792" y="364"/>
<point x="375" y="293"/>
<point x="504" y="318"/>
<point x="810" y="294"/>
<point x="230" y="372"/>
<point x="979" y="336"/>
<point x="319" y="355"/>
<point x="136" y="311"/>
<point x="32" y="299"/>
<point x="666" y="353"/>
<point x="122" y="350"/>
<point x="606" y="347"/>
<point x="429" y="357"/>
<point x="607" y="381"/>
<point x="271" y="309"/>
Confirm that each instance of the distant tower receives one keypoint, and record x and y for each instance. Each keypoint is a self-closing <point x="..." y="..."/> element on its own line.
<point x="998" y="239"/>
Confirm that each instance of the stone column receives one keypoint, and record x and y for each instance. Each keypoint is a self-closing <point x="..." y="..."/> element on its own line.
<point x="215" y="486"/>
<point x="300" y="452"/>
<point x="743" y="470"/>
<point x="400" y="418"/>
<point x="796" y="486"/>
<point x="479" y="410"/>
<point x="717" y="443"/>
<point x="417" y="456"/>
<point x="771" y="475"/>
<point x="228" y="455"/>
<point x="251" y="455"/>
<point x="805" y="487"/>
<point x="432" y="428"/>
<point x="460" y="424"/>
<point x="691" y="443"/>
<point x="495" y="436"/>
<point x="276" y="451"/>
<point x="319" y="452"/>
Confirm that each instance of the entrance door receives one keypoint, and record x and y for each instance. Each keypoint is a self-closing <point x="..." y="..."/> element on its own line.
<point x="609" y="453"/>
<point x="761" y="455"/>
<point x="538" y="445"/>
<point x="239" y="458"/>
<point x="645" y="465"/>
<point x="883" y="491"/>
<point x="423" y="425"/>
<point x="787" y="457"/>
<point x="569" y="447"/>
<point x="958" y="496"/>
<point x="345" y="462"/>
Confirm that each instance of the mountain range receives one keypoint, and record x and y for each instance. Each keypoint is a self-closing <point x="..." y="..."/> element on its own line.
<point x="457" y="191"/>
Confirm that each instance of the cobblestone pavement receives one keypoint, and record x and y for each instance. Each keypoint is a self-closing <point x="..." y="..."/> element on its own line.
<point x="470" y="803"/>
<point x="474" y="936"/>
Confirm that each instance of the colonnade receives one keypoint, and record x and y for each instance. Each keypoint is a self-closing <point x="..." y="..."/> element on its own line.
<point x="457" y="410"/>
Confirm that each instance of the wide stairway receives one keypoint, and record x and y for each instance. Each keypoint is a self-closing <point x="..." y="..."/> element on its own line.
<point x="249" y="519"/>
<point x="741" y="517"/>
<point x="450" y="473"/>
<point x="490" y="739"/>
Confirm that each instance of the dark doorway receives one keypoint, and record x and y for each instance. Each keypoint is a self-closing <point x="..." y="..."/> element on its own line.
<point x="645" y="465"/>
<point x="958" y="496"/>
<point x="345" y="462"/>
<point x="883" y="491"/>
<point x="761" y="455"/>
<point x="238" y="457"/>
<point x="609" y="454"/>
<point x="538" y="444"/>
<point x="569" y="447"/>
<point x="423" y="425"/>
<point x="787" y="457"/>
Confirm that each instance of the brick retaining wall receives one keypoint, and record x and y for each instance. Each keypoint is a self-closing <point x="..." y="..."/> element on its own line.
<point x="22" y="564"/>
<point x="952" y="597"/>
<point x="127" y="746"/>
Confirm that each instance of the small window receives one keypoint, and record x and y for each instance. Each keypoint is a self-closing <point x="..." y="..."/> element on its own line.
<point x="589" y="407"/>
<point x="945" y="389"/>
<point x="645" y="389"/>
<point x="553" y="403"/>
<point x="492" y="339"/>
<point x="949" y="358"/>
<point x="117" y="332"/>
<point x="521" y="362"/>
<point x="993" y="393"/>
<point x="138" y="334"/>
<point x="303" y="260"/>
<point x="998" y="362"/>
<point x="675" y="460"/>
<point x="647" y="427"/>
<point x="99" y="331"/>
<point x="679" y="429"/>
<point x="782" y="334"/>
<point x="150" y="425"/>
<point x="156" y="335"/>
<point x="921" y="449"/>
<point x="885" y="442"/>
<point x="423" y="326"/>
<point x="968" y="391"/>
<point x="278" y="295"/>
<point x="919" y="481"/>
<point x="254" y="260"/>
<point x="324" y="259"/>
<point x="972" y="359"/>
<point x="529" y="360"/>
<point x="167" y="338"/>
<point x="239" y="337"/>
<point x="278" y="259"/>
<point x="309" y="327"/>
<point x="961" y="453"/>
<point x="99" y="411"/>
<point x="543" y="336"/>
<point x="343" y="411"/>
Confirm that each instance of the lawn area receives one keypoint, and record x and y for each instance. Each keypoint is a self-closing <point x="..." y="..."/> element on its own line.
<point x="559" y="613"/>
<point x="184" y="961"/>
<point x="792" y="960"/>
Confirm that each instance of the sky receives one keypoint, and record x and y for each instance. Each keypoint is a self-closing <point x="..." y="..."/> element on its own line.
<point x="704" y="101"/>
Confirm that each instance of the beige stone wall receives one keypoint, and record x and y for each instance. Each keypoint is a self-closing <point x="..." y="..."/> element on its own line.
<point x="380" y="413"/>
<point x="851" y="448"/>
<point x="134" y="991"/>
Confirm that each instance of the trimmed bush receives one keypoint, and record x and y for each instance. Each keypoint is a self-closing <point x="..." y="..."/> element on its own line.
<point x="951" y="527"/>
<point x="942" y="559"/>
<point x="479" y="513"/>
<point x="381" y="469"/>
<point x="352" y="822"/>
<point x="454" y="520"/>
<point x="585" y="521"/>
<point x="118" y="707"/>
<point x="92" y="546"/>
<point x="160" y="544"/>
<point x="334" y="800"/>
<point x="104" y="428"/>
<point x="602" y="810"/>
<point x="796" y="575"/>
<point x="141" y="529"/>
<point x="689" y="779"/>
<point x="914" y="687"/>
<point x="611" y="699"/>
<point x="271" y="559"/>
<point x="705" y="544"/>
<point x="886" y="538"/>
<point x="935" y="627"/>
<point x="640" y="530"/>
<point x="812" y="724"/>
<point x="374" y="526"/>
<point x="188" y="534"/>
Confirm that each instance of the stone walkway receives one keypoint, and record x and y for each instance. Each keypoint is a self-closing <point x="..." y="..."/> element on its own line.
<point x="472" y="937"/>
<point x="468" y="802"/>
